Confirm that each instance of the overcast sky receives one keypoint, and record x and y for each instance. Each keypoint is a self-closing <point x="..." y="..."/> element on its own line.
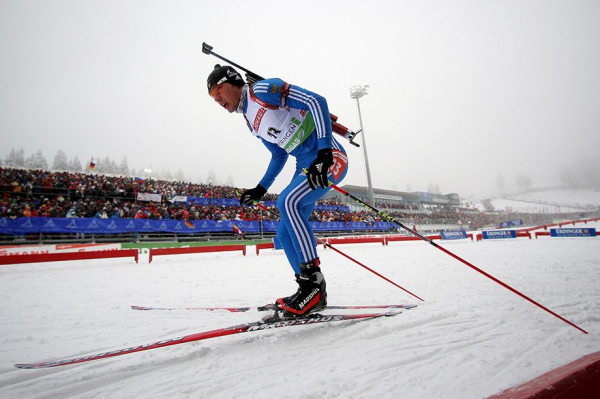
<point x="460" y="91"/>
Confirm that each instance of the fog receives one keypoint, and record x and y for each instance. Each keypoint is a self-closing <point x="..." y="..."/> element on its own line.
<point x="460" y="91"/>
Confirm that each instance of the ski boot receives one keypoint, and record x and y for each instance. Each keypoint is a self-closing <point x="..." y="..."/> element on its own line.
<point x="311" y="295"/>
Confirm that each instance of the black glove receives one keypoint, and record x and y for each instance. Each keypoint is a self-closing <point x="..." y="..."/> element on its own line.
<point x="254" y="194"/>
<point x="317" y="172"/>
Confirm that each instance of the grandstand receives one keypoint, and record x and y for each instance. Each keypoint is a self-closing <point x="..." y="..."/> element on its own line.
<point x="55" y="206"/>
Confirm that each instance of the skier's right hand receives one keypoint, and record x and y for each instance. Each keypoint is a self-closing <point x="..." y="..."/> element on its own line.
<point x="254" y="194"/>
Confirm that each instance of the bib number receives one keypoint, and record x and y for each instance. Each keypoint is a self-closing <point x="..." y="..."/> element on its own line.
<point x="340" y="162"/>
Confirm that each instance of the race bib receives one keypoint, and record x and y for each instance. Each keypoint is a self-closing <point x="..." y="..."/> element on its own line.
<point x="340" y="162"/>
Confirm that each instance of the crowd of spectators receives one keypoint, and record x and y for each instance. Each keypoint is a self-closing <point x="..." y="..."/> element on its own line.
<point x="38" y="193"/>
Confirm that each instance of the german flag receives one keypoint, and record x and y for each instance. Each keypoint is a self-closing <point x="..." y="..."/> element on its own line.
<point x="189" y="224"/>
<point x="92" y="165"/>
<point x="238" y="231"/>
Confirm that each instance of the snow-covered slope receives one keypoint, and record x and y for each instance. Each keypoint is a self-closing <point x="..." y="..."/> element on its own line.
<point x="551" y="201"/>
<point x="564" y="198"/>
<point x="471" y="339"/>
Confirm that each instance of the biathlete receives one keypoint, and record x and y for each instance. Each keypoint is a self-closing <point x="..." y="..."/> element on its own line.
<point x="289" y="120"/>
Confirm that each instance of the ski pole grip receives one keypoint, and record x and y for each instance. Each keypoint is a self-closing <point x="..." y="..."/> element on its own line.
<point x="206" y="49"/>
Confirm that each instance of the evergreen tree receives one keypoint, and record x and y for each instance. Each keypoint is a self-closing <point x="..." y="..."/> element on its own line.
<point x="105" y="165"/>
<point x="434" y="188"/>
<point x="212" y="177"/>
<point x="162" y="175"/>
<point x="75" y="165"/>
<point x="523" y="181"/>
<point x="15" y="159"/>
<point x="20" y="158"/>
<point x="37" y="161"/>
<point x="113" y="168"/>
<point x="60" y="161"/>
<point x="11" y="158"/>
<point x="180" y="176"/>
<point x="124" y="167"/>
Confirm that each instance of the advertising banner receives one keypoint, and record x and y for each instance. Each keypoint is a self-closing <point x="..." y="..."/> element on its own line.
<point x="23" y="226"/>
<point x="497" y="234"/>
<point x="148" y="197"/>
<point x="583" y="232"/>
<point x="180" y="198"/>
<point x="454" y="235"/>
<point x="511" y="223"/>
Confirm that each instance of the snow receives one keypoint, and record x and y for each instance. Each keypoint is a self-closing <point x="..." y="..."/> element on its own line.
<point x="547" y="201"/>
<point x="523" y="206"/>
<point x="471" y="338"/>
<point x="585" y="198"/>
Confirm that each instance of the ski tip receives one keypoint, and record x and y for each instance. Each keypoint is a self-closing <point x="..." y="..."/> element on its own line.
<point x="138" y="307"/>
<point x="27" y="366"/>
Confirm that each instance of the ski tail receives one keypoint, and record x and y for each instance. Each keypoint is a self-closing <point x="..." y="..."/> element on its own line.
<point x="238" y="329"/>
<point x="271" y="306"/>
<point x="208" y="309"/>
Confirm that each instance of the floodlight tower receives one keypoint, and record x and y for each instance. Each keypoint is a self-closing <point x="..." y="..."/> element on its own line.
<point x="357" y="92"/>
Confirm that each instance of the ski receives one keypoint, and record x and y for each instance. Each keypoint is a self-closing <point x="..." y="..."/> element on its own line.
<point x="271" y="307"/>
<point x="221" y="332"/>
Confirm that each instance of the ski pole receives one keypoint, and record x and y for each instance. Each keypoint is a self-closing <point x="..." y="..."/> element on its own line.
<point x="494" y="279"/>
<point x="253" y="77"/>
<point x="328" y="245"/>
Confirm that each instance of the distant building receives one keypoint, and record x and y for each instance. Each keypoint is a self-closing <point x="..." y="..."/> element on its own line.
<point x="426" y="198"/>
<point x="393" y="199"/>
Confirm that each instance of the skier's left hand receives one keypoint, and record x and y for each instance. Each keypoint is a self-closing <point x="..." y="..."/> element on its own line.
<point x="317" y="172"/>
<point x="254" y="194"/>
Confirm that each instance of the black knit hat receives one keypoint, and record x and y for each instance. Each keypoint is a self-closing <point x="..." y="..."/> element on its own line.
<point x="222" y="74"/>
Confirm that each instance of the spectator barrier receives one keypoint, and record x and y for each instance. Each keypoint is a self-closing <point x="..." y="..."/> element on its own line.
<point x="195" y="250"/>
<point x="58" y="248"/>
<point x="56" y="257"/>
<point x="549" y="234"/>
<point x="578" y="379"/>
<point x="188" y="200"/>
<point x="409" y="238"/>
<point x="268" y="245"/>
<point x="573" y="222"/>
<point x="354" y="240"/>
<point x="502" y="234"/>
<point x="25" y="225"/>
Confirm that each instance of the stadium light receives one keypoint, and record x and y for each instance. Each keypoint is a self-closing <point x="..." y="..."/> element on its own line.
<point x="357" y="92"/>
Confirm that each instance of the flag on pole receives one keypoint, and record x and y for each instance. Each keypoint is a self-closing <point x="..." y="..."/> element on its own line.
<point x="92" y="165"/>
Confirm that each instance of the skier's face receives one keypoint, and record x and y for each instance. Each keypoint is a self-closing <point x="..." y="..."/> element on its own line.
<point x="227" y="96"/>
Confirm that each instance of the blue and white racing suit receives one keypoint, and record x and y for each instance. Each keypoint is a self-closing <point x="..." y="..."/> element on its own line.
<point x="290" y="120"/>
